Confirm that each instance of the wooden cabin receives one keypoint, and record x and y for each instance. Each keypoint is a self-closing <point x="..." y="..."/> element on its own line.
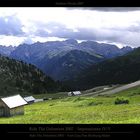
<point x="29" y="99"/>
<point x="74" y="93"/>
<point x="13" y="105"/>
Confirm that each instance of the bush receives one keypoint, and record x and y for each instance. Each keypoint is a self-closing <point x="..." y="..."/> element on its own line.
<point x="135" y="93"/>
<point x="121" y="101"/>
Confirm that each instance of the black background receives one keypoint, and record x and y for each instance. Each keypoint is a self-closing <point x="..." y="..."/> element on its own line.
<point x="69" y="3"/>
<point x="98" y="131"/>
<point x="25" y="130"/>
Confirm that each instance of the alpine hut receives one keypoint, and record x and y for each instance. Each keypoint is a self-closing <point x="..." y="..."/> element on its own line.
<point x="29" y="99"/>
<point x="74" y="93"/>
<point x="13" y="105"/>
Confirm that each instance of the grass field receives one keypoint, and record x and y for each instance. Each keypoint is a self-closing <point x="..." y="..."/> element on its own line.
<point x="83" y="110"/>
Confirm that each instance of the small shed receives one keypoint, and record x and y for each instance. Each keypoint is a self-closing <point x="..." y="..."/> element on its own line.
<point x="39" y="100"/>
<point x="74" y="93"/>
<point x="29" y="99"/>
<point x="13" y="105"/>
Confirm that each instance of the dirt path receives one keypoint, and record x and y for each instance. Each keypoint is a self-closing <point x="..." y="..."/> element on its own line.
<point x="117" y="89"/>
<point x="125" y="87"/>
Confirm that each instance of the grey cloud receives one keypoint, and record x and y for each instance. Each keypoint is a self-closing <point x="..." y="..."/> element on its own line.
<point x="61" y="31"/>
<point x="128" y="35"/>
<point x="41" y="33"/>
<point x="107" y="9"/>
<point x="98" y="34"/>
<point x="10" y="25"/>
<point x="134" y="28"/>
<point x="118" y="36"/>
<point x="51" y="29"/>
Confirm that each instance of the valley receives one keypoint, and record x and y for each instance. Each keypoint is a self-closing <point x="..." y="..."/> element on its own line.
<point x="83" y="109"/>
<point x="48" y="71"/>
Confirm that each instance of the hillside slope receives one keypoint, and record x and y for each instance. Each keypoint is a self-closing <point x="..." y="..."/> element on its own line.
<point x="19" y="77"/>
<point x="120" y="70"/>
<point x="67" y="65"/>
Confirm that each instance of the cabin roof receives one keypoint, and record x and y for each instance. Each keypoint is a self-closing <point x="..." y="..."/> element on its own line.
<point x="14" y="101"/>
<point x="75" y="92"/>
<point x="29" y="98"/>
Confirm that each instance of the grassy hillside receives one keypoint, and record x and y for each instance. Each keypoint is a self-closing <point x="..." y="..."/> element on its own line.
<point x="83" y="110"/>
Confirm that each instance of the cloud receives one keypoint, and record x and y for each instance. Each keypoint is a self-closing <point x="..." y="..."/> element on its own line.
<point x="11" y="40"/>
<point x="134" y="28"/>
<point x="52" y="29"/>
<point x="41" y="33"/>
<point x="107" y="9"/>
<point x="111" y="24"/>
<point x="126" y="35"/>
<point x="10" y="25"/>
<point x="28" y="41"/>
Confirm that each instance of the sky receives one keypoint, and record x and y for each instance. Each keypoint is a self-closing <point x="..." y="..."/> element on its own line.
<point x="113" y="25"/>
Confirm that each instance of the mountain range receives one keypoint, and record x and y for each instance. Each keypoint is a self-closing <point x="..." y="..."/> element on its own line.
<point x="6" y="51"/>
<point x="64" y="60"/>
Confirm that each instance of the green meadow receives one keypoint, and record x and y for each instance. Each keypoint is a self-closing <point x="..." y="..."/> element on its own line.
<point x="83" y="110"/>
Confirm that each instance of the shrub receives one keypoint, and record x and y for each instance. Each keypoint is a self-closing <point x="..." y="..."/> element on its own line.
<point x="135" y="93"/>
<point x="121" y="101"/>
<point x="51" y="104"/>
